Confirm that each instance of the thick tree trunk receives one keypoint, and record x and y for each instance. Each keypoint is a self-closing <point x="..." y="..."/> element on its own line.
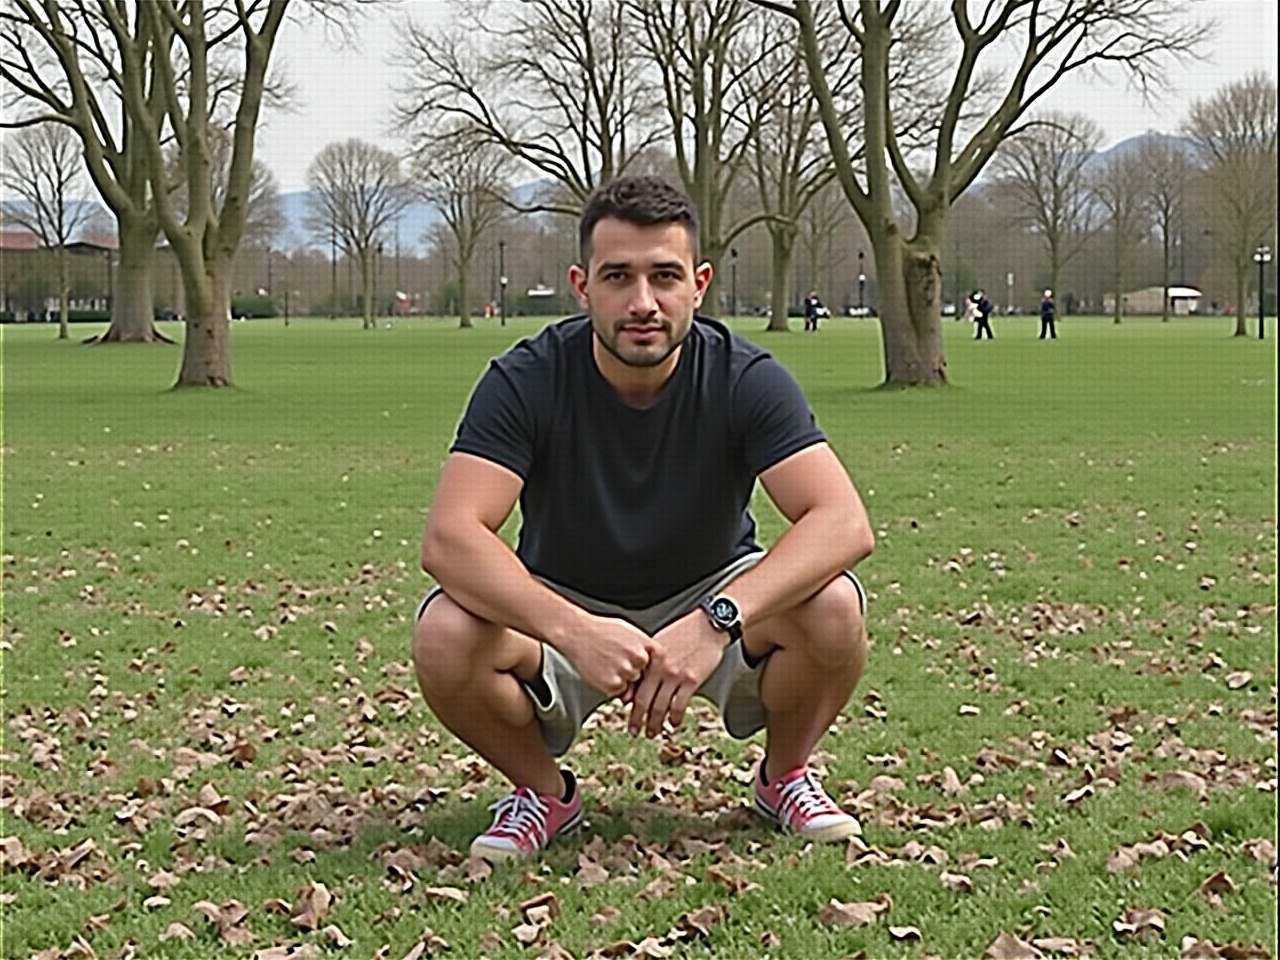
<point x="910" y="308"/>
<point x="64" y="295"/>
<point x="783" y="250"/>
<point x="367" y="321"/>
<point x="464" y="305"/>
<point x="132" y="292"/>
<point x="1241" y="328"/>
<point x="206" y="352"/>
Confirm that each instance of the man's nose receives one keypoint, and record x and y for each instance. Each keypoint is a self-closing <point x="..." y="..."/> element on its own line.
<point x="643" y="302"/>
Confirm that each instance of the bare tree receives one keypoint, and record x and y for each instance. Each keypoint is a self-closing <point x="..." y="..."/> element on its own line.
<point x="788" y="162"/>
<point x="164" y="60"/>
<point x="1033" y="46"/>
<point x="61" y="63"/>
<point x="554" y="83"/>
<point x="43" y="170"/>
<point x="357" y="192"/>
<point x="1168" y="170"/>
<point x="1045" y="169"/>
<point x="1235" y="136"/>
<point x="711" y="66"/>
<point x="468" y="188"/>
<point x="1119" y="187"/>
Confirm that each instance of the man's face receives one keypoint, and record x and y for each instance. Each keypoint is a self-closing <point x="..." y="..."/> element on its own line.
<point x="641" y="288"/>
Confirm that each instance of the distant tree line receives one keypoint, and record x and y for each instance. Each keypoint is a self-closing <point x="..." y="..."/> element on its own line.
<point x="875" y="143"/>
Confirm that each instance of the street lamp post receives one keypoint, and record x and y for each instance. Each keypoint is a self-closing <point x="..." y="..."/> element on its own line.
<point x="1262" y="256"/>
<point x="862" y="281"/>
<point x="502" y="281"/>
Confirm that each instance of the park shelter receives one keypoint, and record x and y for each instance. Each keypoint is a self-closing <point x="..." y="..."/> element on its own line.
<point x="1183" y="301"/>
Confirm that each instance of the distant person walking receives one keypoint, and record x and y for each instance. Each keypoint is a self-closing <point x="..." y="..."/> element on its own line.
<point x="983" y="306"/>
<point x="1048" y="314"/>
<point x="814" y="310"/>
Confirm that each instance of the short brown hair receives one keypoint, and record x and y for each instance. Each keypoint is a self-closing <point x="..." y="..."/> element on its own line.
<point x="642" y="201"/>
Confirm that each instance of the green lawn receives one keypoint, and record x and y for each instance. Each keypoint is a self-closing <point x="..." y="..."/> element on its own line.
<point x="213" y="745"/>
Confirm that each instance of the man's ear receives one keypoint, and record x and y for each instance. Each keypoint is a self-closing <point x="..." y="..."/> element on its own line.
<point x="578" y="283"/>
<point x="702" y="275"/>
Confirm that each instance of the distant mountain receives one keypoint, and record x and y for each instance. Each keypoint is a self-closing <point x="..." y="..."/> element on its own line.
<point x="1131" y="146"/>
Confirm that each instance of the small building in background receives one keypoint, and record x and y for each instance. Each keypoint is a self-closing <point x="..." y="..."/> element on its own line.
<point x="1183" y="301"/>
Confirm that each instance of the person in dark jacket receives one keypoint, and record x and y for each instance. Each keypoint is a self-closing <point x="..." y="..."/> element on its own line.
<point x="983" y="318"/>
<point x="814" y="310"/>
<point x="1048" y="314"/>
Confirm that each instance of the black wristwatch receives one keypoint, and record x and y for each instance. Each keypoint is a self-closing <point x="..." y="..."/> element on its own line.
<point x="724" y="615"/>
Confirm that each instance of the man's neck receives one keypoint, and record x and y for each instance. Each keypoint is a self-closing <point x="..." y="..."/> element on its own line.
<point x="637" y="387"/>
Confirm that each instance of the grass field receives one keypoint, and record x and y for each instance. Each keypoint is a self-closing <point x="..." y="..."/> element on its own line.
<point x="1066" y="736"/>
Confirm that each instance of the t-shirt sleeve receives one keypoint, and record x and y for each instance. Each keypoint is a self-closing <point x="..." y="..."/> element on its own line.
<point x="772" y="415"/>
<point x="498" y="424"/>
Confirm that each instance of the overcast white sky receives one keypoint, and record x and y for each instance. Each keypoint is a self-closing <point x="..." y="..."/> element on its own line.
<point x="348" y="92"/>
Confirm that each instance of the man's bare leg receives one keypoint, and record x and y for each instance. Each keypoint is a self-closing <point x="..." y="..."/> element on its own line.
<point x="819" y="652"/>
<point x="469" y="671"/>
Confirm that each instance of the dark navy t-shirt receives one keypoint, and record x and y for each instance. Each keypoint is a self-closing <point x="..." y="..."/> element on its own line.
<point x="626" y="505"/>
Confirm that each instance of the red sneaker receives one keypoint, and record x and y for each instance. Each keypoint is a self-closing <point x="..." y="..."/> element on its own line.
<point x="797" y="803"/>
<point x="524" y="822"/>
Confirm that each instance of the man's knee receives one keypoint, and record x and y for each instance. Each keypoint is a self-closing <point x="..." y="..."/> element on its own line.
<point x="444" y="642"/>
<point x="834" y="625"/>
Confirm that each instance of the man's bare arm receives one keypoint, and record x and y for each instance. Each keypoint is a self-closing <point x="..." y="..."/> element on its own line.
<point x="830" y="532"/>
<point x="479" y="571"/>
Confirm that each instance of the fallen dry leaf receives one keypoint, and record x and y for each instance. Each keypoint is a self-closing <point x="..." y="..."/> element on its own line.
<point x="177" y="931"/>
<point x="1008" y="947"/>
<point x="336" y="936"/>
<point x="541" y="909"/>
<point x="1138" y="920"/>
<point x="452" y="894"/>
<point x="700" y="922"/>
<point x="837" y="914"/>
<point x="905" y="934"/>
<point x="314" y="902"/>
<point x="956" y="881"/>
<point x="289" y="951"/>
<point x="527" y="933"/>
<point x="951" y="784"/>
<point x="1219" y="883"/>
<point x="1066" y="946"/>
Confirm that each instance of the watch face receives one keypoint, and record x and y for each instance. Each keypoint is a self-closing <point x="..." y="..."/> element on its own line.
<point x="724" y="610"/>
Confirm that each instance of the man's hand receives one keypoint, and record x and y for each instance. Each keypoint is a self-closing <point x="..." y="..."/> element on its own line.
<point x="682" y="657"/>
<point x="611" y="654"/>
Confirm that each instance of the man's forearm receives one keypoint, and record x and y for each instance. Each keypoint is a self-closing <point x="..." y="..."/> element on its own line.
<point x="814" y="550"/>
<point x="481" y="573"/>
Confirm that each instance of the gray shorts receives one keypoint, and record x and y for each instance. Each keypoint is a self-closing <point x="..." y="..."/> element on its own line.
<point x="734" y="687"/>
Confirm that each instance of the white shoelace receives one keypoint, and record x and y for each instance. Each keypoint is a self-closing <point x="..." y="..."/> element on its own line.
<point x="804" y="796"/>
<point x="520" y="814"/>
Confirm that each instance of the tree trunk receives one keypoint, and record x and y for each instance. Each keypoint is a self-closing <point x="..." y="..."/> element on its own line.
<point x="1241" y="329"/>
<point x="1164" y="278"/>
<point x="910" y="308"/>
<point x="366" y="285"/>
<point x="784" y="240"/>
<point x="132" y="291"/>
<point x="464" y="304"/>
<point x="64" y="294"/>
<point x="206" y="352"/>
